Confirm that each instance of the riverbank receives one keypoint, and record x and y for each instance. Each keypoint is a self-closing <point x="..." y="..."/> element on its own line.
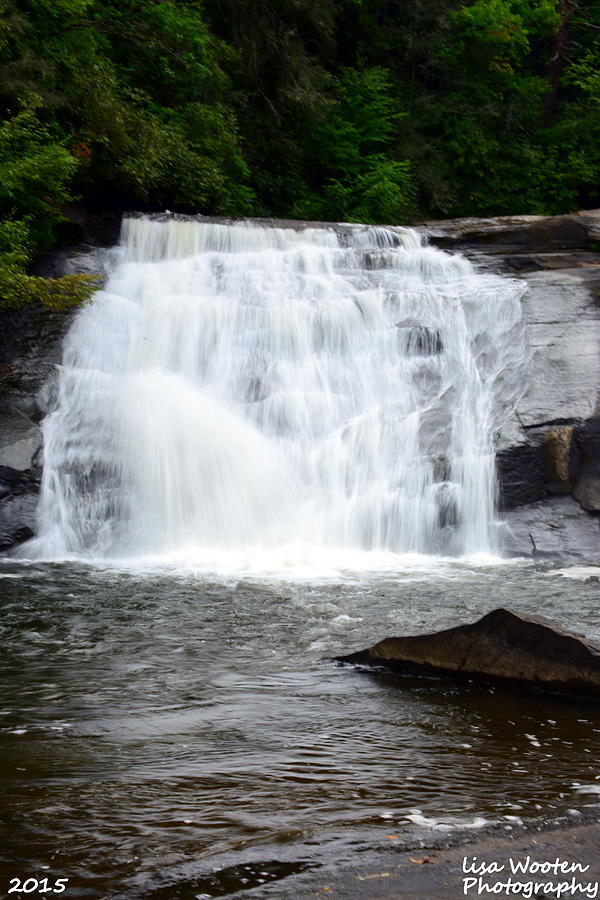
<point x="425" y="874"/>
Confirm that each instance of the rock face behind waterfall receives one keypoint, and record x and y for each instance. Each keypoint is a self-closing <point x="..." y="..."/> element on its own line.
<point x="551" y="445"/>
<point x="503" y="645"/>
<point x="548" y="453"/>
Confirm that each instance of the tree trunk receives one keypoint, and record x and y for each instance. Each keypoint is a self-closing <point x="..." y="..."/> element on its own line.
<point x="558" y="59"/>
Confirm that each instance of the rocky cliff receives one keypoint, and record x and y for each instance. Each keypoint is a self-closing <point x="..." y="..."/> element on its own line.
<point x="548" y="453"/>
<point x="30" y="353"/>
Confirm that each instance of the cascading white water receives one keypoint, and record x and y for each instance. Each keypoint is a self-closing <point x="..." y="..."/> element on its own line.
<point x="241" y="388"/>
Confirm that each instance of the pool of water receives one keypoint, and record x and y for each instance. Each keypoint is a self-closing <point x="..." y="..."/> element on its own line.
<point x="168" y="733"/>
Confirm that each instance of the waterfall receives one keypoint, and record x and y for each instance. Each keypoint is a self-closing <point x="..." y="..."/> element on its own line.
<point x="243" y="388"/>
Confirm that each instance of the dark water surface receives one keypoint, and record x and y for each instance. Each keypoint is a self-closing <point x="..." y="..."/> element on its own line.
<point x="165" y="734"/>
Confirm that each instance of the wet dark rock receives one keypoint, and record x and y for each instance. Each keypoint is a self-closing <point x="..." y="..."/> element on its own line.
<point x="587" y="489"/>
<point x="548" y="462"/>
<point x="96" y="228"/>
<point x="448" y="514"/>
<point x="9" y="478"/>
<point x="588" y="492"/>
<point x="519" y="234"/>
<point x="520" y="475"/>
<point x="420" y="340"/>
<point x="441" y="468"/>
<point x="566" y="259"/>
<point x="256" y="390"/>
<point x="562" y="458"/>
<point x="560" y="528"/>
<point x="378" y="259"/>
<point x="19" y="498"/>
<point x="555" y="459"/>
<point x="522" y="263"/>
<point x="505" y="646"/>
<point x="19" y="453"/>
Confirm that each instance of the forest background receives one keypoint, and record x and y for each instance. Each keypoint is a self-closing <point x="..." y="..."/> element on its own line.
<point x="338" y="110"/>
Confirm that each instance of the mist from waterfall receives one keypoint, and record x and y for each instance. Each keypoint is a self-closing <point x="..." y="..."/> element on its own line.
<point x="240" y="394"/>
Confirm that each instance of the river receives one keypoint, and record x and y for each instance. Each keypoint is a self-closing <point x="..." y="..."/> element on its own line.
<point x="165" y="733"/>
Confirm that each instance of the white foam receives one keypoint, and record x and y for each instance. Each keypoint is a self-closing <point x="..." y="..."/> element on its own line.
<point x="447" y="823"/>
<point x="588" y="788"/>
<point x="582" y="572"/>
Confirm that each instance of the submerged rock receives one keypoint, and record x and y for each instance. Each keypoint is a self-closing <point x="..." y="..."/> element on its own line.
<point x="503" y="646"/>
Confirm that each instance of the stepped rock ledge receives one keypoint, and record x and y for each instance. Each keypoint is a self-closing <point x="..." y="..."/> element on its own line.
<point x="503" y="646"/>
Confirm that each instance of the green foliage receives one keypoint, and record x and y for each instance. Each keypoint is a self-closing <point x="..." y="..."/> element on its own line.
<point x="34" y="169"/>
<point x="352" y="154"/>
<point x="585" y="75"/>
<point x="485" y="130"/>
<point x="123" y="102"/>
<point x="362" y="110"/>
<point x="383" y="192"/>
<point x="34" y="172"/>
<point x="18" y="288"/>
<point x="495" y="34"/>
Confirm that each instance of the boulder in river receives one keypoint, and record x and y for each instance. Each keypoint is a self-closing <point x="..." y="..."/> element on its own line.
<point x="505" y="646"/>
